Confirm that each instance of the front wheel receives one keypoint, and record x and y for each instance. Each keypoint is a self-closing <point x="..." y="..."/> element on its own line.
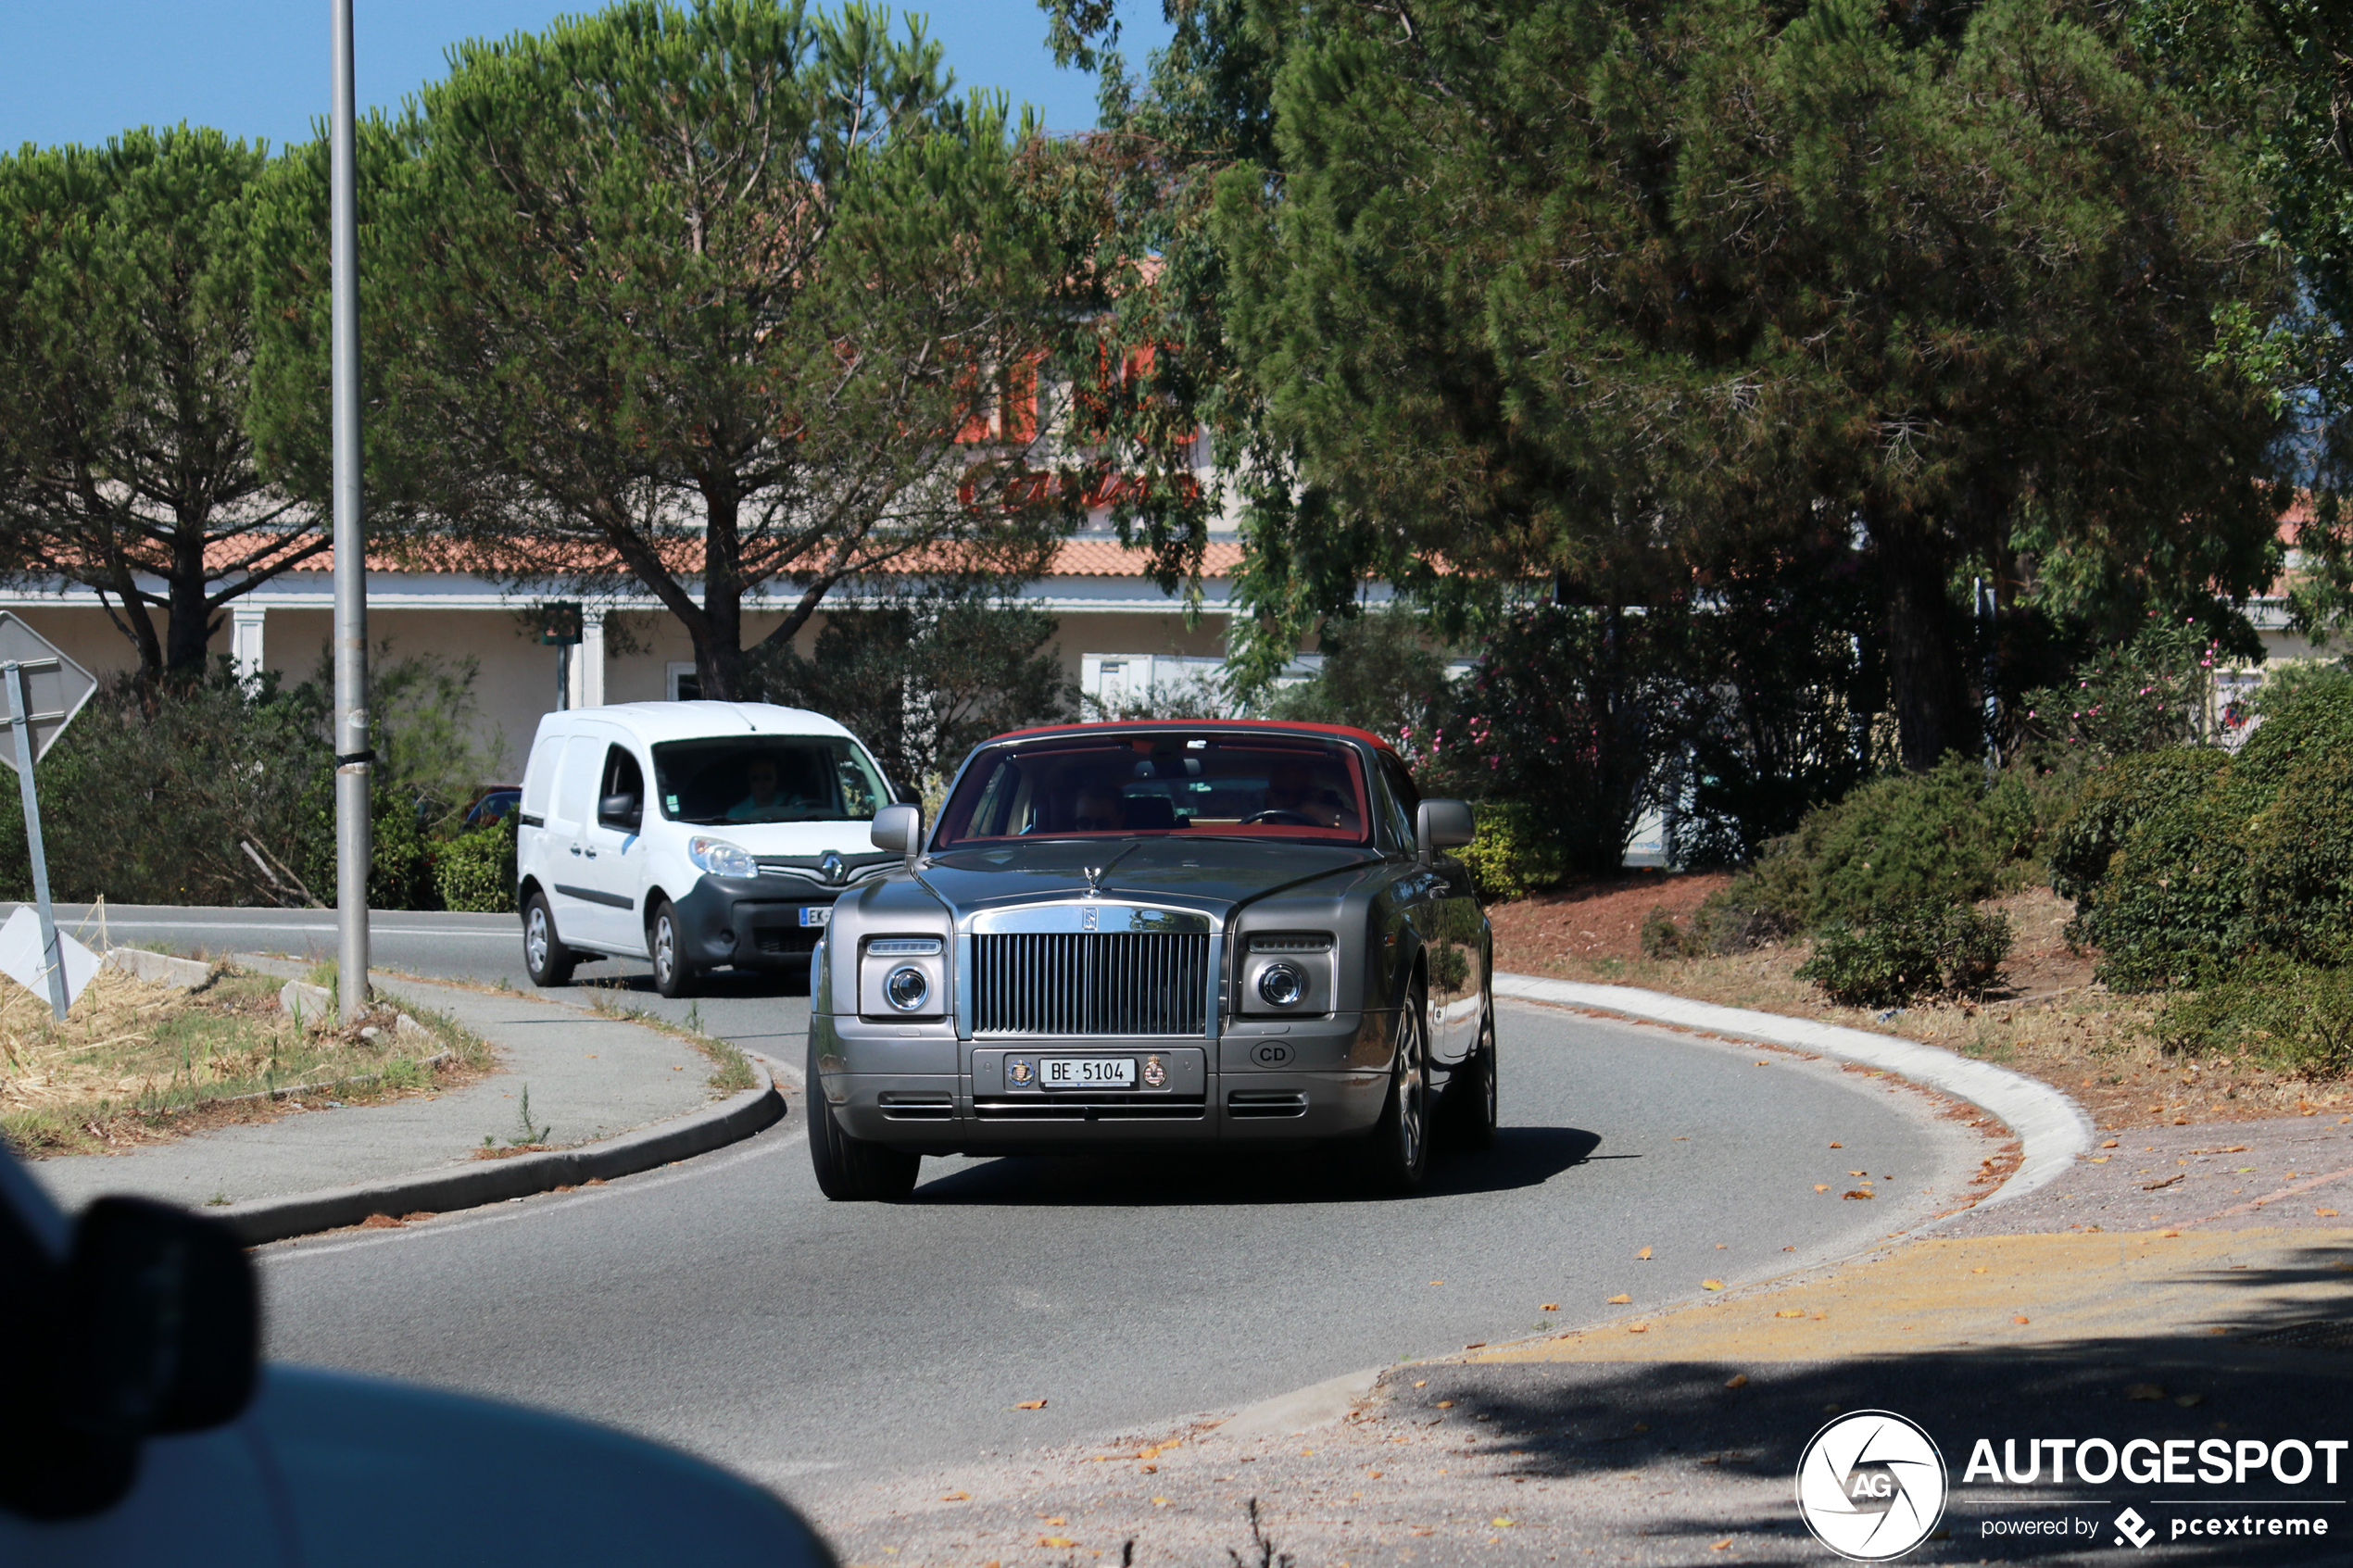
<point x="1397" y="1156"/>
<point x="545" y="957"/>
<point x="851" y="1170"/>
<point x="673" y="976"/>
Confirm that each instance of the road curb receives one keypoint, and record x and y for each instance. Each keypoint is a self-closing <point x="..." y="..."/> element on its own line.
<point x="2052" y="1129"/>
<point x="494" y="1180"/>
<point x="1318" y="1404"/>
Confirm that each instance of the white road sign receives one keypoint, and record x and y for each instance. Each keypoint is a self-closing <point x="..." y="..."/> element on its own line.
<point x="54" y="687"/>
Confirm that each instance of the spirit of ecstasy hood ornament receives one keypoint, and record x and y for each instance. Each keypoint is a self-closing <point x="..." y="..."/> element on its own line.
<point x="1095" y="874"/>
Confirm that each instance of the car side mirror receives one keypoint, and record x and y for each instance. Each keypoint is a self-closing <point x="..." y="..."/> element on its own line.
<point x="1443" y="824"/>
<point x="163" y="1318"/>
<point x="900" y="828"/>
<point x="622" y="814"/>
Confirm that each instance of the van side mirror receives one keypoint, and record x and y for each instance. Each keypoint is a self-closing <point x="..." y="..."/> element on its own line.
<point x="900" y="829"/>
<point x="1443" y="824"/>
<point x="622" y="814"/>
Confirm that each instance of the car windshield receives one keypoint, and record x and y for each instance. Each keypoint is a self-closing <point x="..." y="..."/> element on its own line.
<point x="1128" y="786"/>
<point x="766" y="779"/>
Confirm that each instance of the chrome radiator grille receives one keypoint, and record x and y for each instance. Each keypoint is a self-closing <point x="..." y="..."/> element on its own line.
<point x="1090" y="983"/>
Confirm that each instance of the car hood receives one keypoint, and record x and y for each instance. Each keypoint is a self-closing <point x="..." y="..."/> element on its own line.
<point x="1203" y="873"/>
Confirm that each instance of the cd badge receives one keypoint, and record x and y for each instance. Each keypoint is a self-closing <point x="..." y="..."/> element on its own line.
<point x="1155" y="1075"/>
<point x="1020" y="1071"/>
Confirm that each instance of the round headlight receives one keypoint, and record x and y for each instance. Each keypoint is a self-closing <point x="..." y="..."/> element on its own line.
<point x="1282" y="984"/>
<point x="905" y="987"/>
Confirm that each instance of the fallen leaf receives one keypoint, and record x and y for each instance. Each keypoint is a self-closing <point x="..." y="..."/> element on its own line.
<point x="957" y="1497"/>
<point x="1423" y="1383"/>
<point x="1057" y="1521"/>
<point x="1858" y="1192"/>
<point x="2155" y="1187"/>
<point x="1978" y="1269"/>
<point x="1822" y="1186"/>
<point x="2169" y="1232"/>
<point x="1724" y="1545"/>
<point x="2099" y="1160"/>
<point x="2016" y="1319"/>
<point x="2110" y="1143"/>
<point x="1056" y="1541"/>
<point x="1446" y="1404"/>
<point x="1372" y="1476"/>
<point x="2150" y="1391"/>
<point x="1638" y="1328"/>
<point x="1838" y="1146"/>
<point x="1790" y="1313"/>
<point x="1438" y="1282"/>
<point x="2325" y="1213"/>
<point x="1499" y="1523"/>
<point x="1711" y="1285"/>
<point x="1550" y="1307"/>
<point x="1031" y="1405"/>
<point x="1645" y="1252"/>
<point x="1159" y="1502"/>
<point x="1739" y="1380"/>
<point x="1764" y="1064"/>
<point x="2189" y="1401"/>
<point x="1621" y="1300"/>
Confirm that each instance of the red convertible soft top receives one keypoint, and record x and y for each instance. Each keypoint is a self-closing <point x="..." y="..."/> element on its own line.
<point x="1284" y="724"/>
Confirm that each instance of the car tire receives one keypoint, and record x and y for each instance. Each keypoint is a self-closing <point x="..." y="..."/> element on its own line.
<point x="545" y="957"/>
<point x="851" y="1170"/>
<point x="1470" y="1098"/>
<point x="673" y="976"/>
<point x="1397" y="1155"/>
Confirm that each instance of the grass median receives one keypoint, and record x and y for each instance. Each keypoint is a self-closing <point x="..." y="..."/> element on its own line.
<point x="136" y="1063"/>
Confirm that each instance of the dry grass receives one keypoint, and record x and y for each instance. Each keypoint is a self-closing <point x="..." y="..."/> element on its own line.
<point x="135" y="1062"/>
<point x="2049" y="1020"/>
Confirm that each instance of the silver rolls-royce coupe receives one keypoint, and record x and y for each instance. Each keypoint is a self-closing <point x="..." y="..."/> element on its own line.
<point x="1175" y="932"/>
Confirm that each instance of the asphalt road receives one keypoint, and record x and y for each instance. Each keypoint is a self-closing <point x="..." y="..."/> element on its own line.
<point x="723" y="1305"/>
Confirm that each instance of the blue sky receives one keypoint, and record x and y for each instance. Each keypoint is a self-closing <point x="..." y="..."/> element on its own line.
<point x="81" y="73"/>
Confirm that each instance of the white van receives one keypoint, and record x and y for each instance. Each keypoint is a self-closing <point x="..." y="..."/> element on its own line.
<point x="696" y="834"/>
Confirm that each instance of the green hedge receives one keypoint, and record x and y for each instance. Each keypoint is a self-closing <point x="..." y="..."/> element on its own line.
<point x="1515" y="853"/>
<point x="476" y="871"/>
<point x="1903" y="952"/>
<point x="2184" y="863"/>
<point x="2288" y="1015"/>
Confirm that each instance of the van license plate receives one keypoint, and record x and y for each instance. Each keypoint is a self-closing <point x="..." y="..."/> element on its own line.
<point x="816" y="914"/>
<point x="1087" y="1072"/>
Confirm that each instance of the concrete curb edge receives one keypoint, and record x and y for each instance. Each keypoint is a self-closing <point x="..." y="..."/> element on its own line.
<point x="494" y="1180"/>
<point x="2052" y="1129"/>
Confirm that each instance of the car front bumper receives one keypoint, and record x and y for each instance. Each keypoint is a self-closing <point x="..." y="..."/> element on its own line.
<point x="750" y="922"/>
<point x="920" y="1089"/>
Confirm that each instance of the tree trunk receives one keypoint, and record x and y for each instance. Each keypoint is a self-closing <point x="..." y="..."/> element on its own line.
<point x="1925" y="674"/>
<point x="719" y="643"/>
<point x="188" y="626"/>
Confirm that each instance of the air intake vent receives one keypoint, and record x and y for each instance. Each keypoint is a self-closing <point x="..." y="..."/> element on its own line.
<point x="1091" y="985"/>
<point x="917" y="1106"/>
<point x="1244" y="1104"/>
<point x="1292" y="942"/>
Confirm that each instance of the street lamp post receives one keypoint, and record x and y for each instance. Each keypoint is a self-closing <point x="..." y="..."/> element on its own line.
<point x="353" y="755"/>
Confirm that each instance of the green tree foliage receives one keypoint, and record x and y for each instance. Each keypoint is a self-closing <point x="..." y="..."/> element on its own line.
<point x="1901" y="952"/>
<point x="126" y="340"/>
<point x="1505" y="289"/>
<point x="1382" y="671"/>
<point x="923" y="678"/>
<point x="733" y="302"/>
<point x="1572" y="710"/>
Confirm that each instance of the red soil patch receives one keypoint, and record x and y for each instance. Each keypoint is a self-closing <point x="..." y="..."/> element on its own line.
<point x="1593" y="920"/>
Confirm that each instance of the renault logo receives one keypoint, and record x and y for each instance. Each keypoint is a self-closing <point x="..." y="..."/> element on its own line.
<point x="832" y="870"/>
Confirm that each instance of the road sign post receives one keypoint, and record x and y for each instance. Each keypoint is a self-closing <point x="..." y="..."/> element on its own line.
<point x="46" y="689"/>
<point x="354" y="831"/>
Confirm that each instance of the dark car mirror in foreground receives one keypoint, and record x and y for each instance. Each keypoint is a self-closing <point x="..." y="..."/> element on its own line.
<point x="1443" y="824"/>
<point x="155" y="1327"/>
<point x="900" y="828"/>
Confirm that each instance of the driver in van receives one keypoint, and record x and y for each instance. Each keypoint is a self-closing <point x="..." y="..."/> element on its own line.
<point x="767" y="801"/>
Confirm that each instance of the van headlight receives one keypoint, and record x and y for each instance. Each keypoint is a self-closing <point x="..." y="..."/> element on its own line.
<point x="720" y="858"/>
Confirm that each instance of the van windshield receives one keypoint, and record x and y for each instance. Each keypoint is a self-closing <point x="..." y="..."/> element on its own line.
<point x="1066" y="786"/>
<point x="766" y="779"/>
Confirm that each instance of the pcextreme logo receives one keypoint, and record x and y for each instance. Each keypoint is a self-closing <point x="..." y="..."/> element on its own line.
<point x="1871" y="1486"/>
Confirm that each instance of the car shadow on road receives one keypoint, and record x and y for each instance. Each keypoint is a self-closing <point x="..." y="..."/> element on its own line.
<point x="1523" y="1157"/>
<point x="722" y="984"/>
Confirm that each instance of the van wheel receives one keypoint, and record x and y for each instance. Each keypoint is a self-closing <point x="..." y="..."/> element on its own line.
<point x="673" y="976"/>
<point x="545" y="958"/>
<point x="851" y="1170"/>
